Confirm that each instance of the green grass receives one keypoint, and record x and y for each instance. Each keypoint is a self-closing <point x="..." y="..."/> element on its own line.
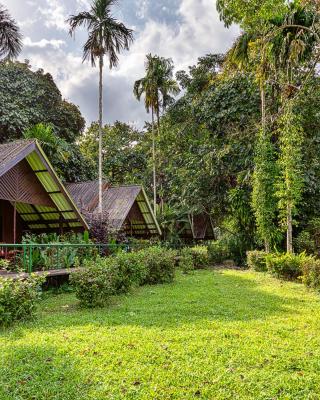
<point x="210" y="335"/>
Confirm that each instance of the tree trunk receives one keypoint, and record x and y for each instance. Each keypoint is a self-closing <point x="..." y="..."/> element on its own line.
<point x="158" y="128"/>
<point x="100" y="131"/>
<point x="289" y="229"/>
<point x="154" y="165"/>
<point x="263" y="127"/>
<point x="263" y="108"/>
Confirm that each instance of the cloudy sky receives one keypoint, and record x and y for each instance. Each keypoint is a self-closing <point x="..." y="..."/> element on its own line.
<point x="181" y="29"/>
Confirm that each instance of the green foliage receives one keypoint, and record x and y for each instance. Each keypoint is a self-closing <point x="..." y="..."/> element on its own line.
<point x="186" y="263"/>
<point x="4" y="264"/>
<point x="94" y="283"/>
<point x="130" y="270"/>
<point x="39" y="101"/>
<point x="290" y="181"/>
<point x="38" y="111"/>
<point x="106" y="35"/>
<point x="305" y="243"/>
<point x="250" y="15"/>
<point x="200" y="256"/>
<point x="206" y="143"/>
<point x="286" y="265"/>
<point x="18" y="298"/>
<point x="59" y="254"/>
<point x="264" y="198"/>
<point x="100" y="278"/>
<point x="157" y="85"/>
<point x="308" y="239"/>
<point x="125" y="155"/>
<point x="310" y="267"/>
<point x="256" y="260"/>
<point x="160" y="264"/>
<point x="218" y="251"/>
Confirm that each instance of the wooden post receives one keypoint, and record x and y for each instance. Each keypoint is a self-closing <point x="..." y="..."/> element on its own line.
<point x="60" y="224"/>
<point x="14" y="223"/>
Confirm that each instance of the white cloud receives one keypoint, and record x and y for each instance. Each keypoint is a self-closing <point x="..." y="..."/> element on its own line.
<point x="200" y="32"/>
<point x="41" y="44"/>
<point x="191" y="29"/>
<point x="142" y="8"/>
<point x="54" y="14"/>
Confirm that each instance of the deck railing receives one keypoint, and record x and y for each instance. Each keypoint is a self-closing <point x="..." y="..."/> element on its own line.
<point x="31" y="257"/>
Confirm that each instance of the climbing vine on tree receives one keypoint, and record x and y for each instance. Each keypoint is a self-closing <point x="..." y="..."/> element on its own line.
<point x="264" y="198"/>
<point x="290" y="180"/>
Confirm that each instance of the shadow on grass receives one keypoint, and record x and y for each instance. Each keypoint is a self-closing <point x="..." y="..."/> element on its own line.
<point x="205" y="295"/>
<point x="40" y="372"/>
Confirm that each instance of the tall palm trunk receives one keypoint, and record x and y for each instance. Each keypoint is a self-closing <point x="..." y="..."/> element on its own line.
<point x="154" y="164"/>
<point x="100" y="130"/>
<point x="161" y="180"/>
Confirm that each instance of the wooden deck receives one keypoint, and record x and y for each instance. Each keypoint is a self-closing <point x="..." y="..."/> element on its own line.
<point x="48" y="274"/>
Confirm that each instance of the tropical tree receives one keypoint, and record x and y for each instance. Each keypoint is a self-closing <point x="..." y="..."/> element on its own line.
<point x="275" y="54"/>
<point x="10" y="36"/>
<point x="106" y="37"/>
<point x="39" y="101"/>
<point x="158" y="87"/>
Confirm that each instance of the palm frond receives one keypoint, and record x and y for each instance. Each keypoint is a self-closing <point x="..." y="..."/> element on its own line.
<point x="106" y="35"/>
<point x="10" y="36"/>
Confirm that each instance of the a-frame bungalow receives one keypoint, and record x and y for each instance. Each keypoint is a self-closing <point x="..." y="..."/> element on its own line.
<point x="127" y="207"/>
<point x="32" y="197"/>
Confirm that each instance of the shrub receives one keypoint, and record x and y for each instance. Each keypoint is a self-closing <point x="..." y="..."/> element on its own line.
<point x="200" y="256"/>
<point x="18" y="298"/>
<point x="129" y="270"/>
<point x="257" y="260"/>
<point x="305" y="242"/>
<point x="59" y="254"/>
<point x="310" y="267"/>
<point x="186" y="260"/>
<point x="103" y="277"/>
<point x="287" y="266"/>
<point x="160" y="264"/>
<point x="217" y="252"/>
<point x="4" y="264"/>
<point x="94" y="283"/>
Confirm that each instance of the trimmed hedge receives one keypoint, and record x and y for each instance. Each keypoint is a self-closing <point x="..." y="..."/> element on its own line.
<point x="19" y="298"/>
<point x="256" y="260"/>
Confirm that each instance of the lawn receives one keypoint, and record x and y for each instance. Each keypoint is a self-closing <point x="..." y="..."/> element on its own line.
<point x="210" y="335"/>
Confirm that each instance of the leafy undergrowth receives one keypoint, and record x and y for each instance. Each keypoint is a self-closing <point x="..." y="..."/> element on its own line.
<point x="210" y="335"/>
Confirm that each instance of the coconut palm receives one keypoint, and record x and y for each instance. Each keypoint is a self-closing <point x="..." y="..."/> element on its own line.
<point x="158" y="87"/>
<point x="10" y="36"/>
<point x="106" y="37"/>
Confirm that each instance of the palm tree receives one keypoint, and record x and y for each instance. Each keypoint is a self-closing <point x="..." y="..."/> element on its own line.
<point x="10" y="36"/>
<point x="106" y="36"/>
<point x="158" y="86"/>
